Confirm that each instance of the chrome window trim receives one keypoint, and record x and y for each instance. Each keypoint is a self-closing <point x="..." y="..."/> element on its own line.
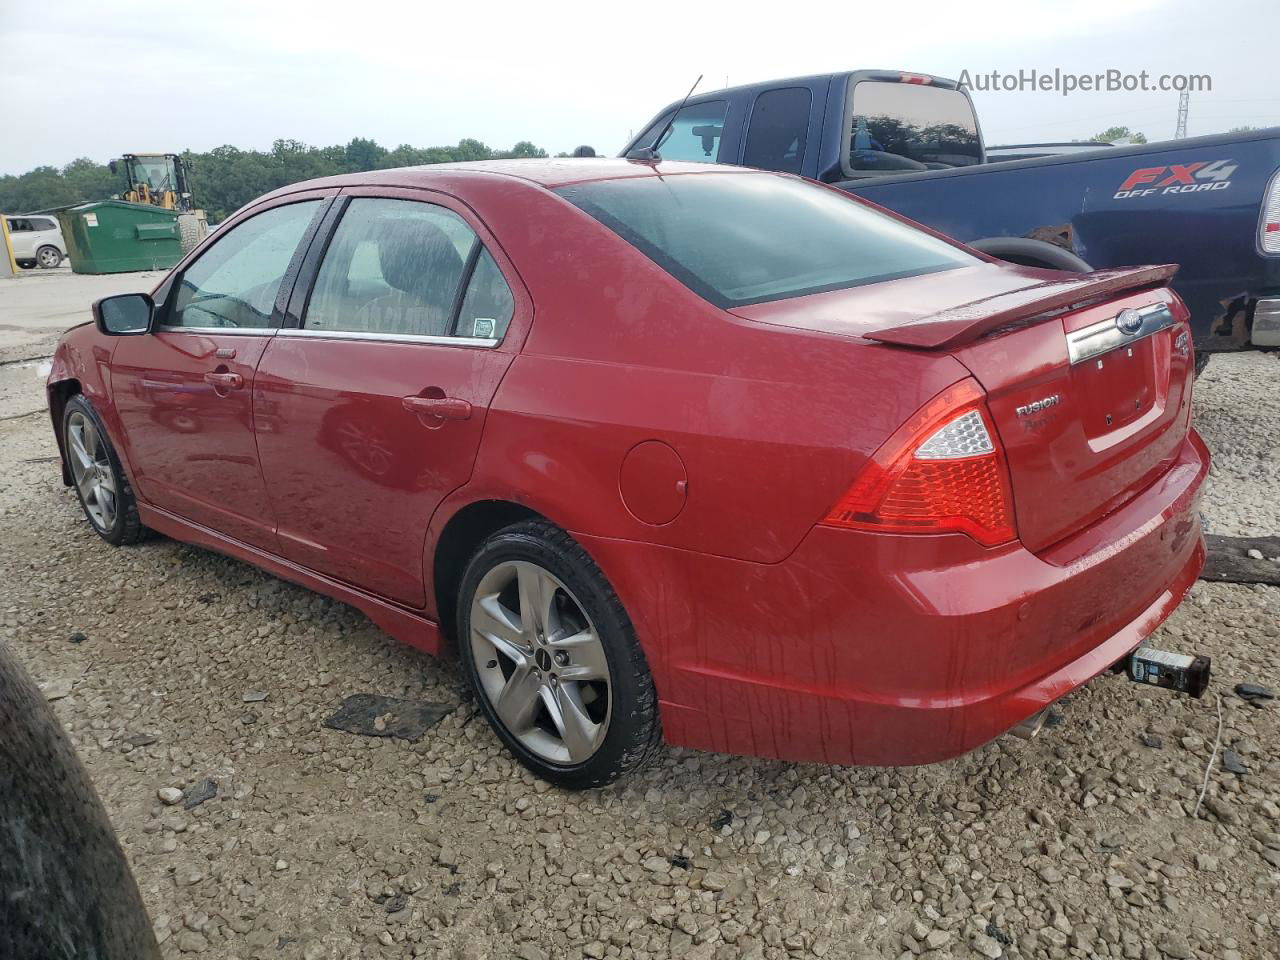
<point x="486" y="343"/>
<point x="178" y="328"/>
<point x="1104" y="336"/>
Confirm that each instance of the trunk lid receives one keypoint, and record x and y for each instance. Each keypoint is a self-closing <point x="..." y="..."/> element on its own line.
<point x="1088" y="376"/>
<point x="1089" y="415"/>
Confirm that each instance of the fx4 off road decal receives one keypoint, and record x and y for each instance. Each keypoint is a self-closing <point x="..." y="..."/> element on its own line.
<point x="1178" y="178"/>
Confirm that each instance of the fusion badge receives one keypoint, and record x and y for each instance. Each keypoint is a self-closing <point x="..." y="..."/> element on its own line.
<point x="1027" y="409"/>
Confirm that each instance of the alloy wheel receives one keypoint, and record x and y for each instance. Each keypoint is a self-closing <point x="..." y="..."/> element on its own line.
<point x="91" y="468"/>
<point x="540" y="662"/>
<point x="49" y="257"/>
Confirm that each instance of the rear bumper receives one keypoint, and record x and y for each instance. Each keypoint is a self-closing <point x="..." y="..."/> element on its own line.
<point x="868" y="648"/>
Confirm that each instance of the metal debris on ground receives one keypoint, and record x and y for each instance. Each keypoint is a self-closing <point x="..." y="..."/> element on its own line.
<point x="371" y="715"/>
<point x="1254" y="692"/>
<point x="1242" y="560"/>
<point x="1233" y="763"/>
<point x="199" y="792"/>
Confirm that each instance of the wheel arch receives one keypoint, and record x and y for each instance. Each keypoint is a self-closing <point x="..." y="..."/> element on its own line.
<point x="464" y="531"/>
<point x="59" y="393"/>
<point x="1029" y="252"/>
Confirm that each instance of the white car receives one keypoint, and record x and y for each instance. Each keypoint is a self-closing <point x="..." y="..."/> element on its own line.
<point x="37" y="241"/>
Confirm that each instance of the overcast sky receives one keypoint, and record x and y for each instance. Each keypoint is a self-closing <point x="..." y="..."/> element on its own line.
<point x="98" y="78"/>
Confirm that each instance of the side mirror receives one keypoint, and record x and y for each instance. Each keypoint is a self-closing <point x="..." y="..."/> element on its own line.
<point x="124" y="315"/>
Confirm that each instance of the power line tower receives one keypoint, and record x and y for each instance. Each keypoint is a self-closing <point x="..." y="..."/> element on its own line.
<point x="1184" y="101"/>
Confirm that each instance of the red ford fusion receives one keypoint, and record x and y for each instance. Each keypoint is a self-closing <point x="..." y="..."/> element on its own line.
<point x="666" y="452"/>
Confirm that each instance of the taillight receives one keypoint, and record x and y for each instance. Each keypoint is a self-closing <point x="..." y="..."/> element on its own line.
<point x="1269" y="227"/>
<point x="943" y="470"/>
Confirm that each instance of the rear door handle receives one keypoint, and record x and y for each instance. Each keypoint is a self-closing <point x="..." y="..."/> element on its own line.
<point x="227" y="381"/>
<point x="447" y="408"/>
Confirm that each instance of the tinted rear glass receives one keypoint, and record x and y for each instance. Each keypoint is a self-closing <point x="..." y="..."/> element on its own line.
<point x="907" y="126"/>
<point x="779" y="121"/>
<point x="736" y="239"/>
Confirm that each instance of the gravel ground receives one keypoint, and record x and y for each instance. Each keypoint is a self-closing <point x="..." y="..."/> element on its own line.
<point x="323" y="844"/>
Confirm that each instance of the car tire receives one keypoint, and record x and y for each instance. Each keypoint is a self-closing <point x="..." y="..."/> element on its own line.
<point x="537" y="676"/>
<point x="49" y="257"/>
<point x="100" y="482"/>
<point x="1202" y="361"/>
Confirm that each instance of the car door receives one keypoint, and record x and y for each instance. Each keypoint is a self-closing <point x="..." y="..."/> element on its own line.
<point x="379" y="386"/>
<point x="22" y="238"/>
<point x="184" y="393"/>
<point x="45" y="231"/>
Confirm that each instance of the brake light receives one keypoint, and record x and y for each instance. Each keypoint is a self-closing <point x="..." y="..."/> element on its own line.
<point x="942" y="471"/>
<point x="1269" y="228"/>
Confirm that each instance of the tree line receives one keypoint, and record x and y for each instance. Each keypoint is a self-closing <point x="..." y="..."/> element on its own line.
<point x="225" y="178"/>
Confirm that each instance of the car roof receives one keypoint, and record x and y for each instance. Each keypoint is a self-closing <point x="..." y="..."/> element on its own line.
<point x="548" y="173"/>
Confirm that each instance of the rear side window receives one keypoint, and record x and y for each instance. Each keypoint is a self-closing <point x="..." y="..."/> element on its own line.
<point x="736" y="239"/>
<point x="43" y="224"/>
<point x="235" y="282"/>
<point x="776" y="137"/>
<point x="397" y="268"/>
<point x="896" y="127"/>
<point x="694" y="136"/>
<point x="488" y="304"/>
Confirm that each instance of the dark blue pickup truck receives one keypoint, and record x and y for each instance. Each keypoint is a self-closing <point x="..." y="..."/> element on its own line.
<point x="911" y="142"/>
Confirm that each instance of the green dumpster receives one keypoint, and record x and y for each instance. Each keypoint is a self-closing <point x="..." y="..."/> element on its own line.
<point x="115" y="236"/>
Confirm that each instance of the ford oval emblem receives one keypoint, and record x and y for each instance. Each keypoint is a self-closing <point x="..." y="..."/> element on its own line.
<point x="1129" y="321"/>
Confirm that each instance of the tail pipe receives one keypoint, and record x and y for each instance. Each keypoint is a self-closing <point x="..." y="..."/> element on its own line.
<point x="1030" y="727"/>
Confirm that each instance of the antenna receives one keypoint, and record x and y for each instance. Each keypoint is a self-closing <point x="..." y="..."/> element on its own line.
<point x="1184" y="101"/>
<point x="650" y="153"/>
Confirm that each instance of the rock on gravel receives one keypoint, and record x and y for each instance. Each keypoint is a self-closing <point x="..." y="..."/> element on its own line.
<point x="1077" y="844"/>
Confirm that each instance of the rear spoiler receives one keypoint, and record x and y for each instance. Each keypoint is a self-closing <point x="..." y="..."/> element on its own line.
<point x="969" y="321"/>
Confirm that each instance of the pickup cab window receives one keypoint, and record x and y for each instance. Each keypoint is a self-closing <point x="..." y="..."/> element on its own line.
<point x="898" y="127"/>
<point x="695" y="135"/>
<point x="779" y="124"/>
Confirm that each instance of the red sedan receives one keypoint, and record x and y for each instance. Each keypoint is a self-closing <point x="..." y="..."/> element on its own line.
<point x="669" y="452"/>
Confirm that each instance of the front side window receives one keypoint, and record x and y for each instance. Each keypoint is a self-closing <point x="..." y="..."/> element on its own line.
<point x="779" y="124"/>
<point x="737" y="239"/>
<point x="234" y="284"/>
<point x="19" y="226"/>
<point x="898" y="127"/>
<point x="396" y="267"/>
<point x="694" y="136"/>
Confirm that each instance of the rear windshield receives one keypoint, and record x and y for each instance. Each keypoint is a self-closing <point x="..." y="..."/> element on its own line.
<point x="737" y="239"/>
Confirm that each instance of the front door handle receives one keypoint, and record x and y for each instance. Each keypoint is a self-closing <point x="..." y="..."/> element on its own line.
<point x="447" y="408"/>
<point x="225" y="381"/>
